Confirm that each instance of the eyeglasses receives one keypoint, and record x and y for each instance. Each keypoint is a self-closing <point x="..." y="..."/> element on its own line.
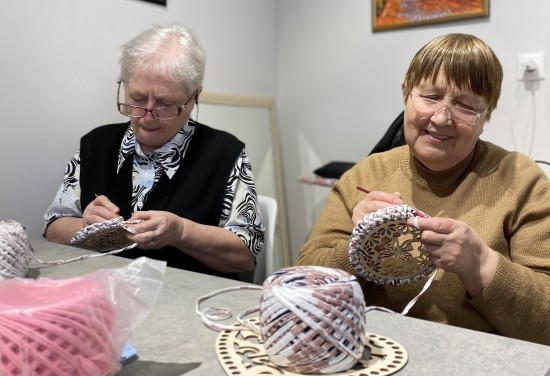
<point x="432" y="107"/>
<point x="159" y="113"/>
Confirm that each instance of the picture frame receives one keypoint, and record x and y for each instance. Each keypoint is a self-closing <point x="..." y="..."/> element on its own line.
<point x="395" y="14"/>
<point x="252" y="119"/>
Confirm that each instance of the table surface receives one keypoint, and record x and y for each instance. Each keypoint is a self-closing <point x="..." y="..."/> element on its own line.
<point x="173" y="341"/>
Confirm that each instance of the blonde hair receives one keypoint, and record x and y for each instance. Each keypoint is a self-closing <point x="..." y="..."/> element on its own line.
<point x="467" y="62"/>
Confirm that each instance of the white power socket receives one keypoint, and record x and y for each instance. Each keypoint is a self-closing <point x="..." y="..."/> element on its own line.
<point x="531" y="67"/>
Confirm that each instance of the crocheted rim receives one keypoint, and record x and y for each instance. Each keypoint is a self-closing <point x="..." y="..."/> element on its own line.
<point x="380" y="254"/>
<point x="104" y="236"/>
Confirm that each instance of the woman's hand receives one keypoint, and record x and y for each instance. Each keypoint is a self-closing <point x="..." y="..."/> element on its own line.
<point x="214" y="246"/>
<point x="455" y="247"/>
<point x="99" y="210"/>
<point x="374" y="201"/>
<point x="157" y="229"/>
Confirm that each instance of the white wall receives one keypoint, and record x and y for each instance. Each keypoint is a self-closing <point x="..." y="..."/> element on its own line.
<point x="59" y="68"/>
<point x="339" y="85"/>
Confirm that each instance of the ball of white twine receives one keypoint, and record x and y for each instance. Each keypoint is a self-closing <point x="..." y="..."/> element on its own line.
<point x="312" y="319"/>
<point x="15" y="250"/>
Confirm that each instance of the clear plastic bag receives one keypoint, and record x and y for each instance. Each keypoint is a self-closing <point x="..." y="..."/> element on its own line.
<point x="75" y="326"/>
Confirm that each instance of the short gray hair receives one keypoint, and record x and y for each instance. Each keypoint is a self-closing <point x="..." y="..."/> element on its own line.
<point x="173" y="50"/>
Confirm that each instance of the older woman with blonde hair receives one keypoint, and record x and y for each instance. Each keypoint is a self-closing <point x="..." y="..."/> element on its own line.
<point x="489" y="231"/>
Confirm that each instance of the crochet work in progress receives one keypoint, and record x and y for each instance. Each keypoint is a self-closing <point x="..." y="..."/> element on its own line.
<point x="105" y="236"/>
<point x="384" y="249"/>
<point x="108" y="237"/>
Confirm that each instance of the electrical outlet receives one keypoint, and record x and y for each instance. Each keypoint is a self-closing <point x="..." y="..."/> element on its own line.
<point x="531" y="67"/>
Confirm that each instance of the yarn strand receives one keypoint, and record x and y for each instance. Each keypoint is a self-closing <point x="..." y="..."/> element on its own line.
<point x="16" y="251"/>
<point x="312" y="318"/>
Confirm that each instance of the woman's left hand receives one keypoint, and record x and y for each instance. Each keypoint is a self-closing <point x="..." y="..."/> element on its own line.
<point x="157" y="229"/>
<point x="455" y="247"/>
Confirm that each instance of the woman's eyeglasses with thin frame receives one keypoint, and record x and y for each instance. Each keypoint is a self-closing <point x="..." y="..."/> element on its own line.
<point x="432" y="107"/>
<point x="159" y="113"/>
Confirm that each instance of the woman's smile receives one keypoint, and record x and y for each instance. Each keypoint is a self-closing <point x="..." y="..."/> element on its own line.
<point x="437" y="136"/>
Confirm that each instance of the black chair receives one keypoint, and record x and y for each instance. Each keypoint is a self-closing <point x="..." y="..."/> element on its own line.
<point x="394" y="136"/>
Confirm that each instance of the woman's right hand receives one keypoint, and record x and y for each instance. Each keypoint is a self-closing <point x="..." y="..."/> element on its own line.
<point x="99" y="210"/>
<point x="374" y="201"/>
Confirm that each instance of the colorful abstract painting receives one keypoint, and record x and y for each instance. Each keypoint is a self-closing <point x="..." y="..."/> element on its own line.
<point x="392" y="14"/>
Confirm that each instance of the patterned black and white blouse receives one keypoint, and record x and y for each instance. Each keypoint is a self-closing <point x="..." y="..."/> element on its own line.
<point x="147" y="170"/>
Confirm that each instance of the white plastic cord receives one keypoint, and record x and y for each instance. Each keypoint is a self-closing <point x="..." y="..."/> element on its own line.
<point x="16" y="251"/>
<point x="413" y="301"/>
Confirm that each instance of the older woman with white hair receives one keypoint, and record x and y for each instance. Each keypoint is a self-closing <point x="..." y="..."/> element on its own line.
<point x="190" y="186"/>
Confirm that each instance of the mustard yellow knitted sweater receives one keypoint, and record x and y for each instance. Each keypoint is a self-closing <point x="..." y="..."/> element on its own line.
<point x="504" y="196"/>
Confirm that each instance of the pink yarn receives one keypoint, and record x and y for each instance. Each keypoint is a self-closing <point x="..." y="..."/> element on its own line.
<point x="53" y="328"/>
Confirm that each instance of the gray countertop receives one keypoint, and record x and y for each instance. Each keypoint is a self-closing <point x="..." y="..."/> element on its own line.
<point x="173" y="340"/>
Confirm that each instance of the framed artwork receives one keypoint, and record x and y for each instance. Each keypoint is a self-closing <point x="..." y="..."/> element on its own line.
<point x="252" y="120"/>
<point x="159" y="2"/>
<point x="393" y="14"/>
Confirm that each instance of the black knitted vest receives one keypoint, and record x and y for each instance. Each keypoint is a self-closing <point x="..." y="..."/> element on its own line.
<point x="195" y="192"/>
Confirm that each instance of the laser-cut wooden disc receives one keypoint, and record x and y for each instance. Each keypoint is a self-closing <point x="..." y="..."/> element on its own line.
<point x="385" y="250"/>
<point x="242" y="353"/>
